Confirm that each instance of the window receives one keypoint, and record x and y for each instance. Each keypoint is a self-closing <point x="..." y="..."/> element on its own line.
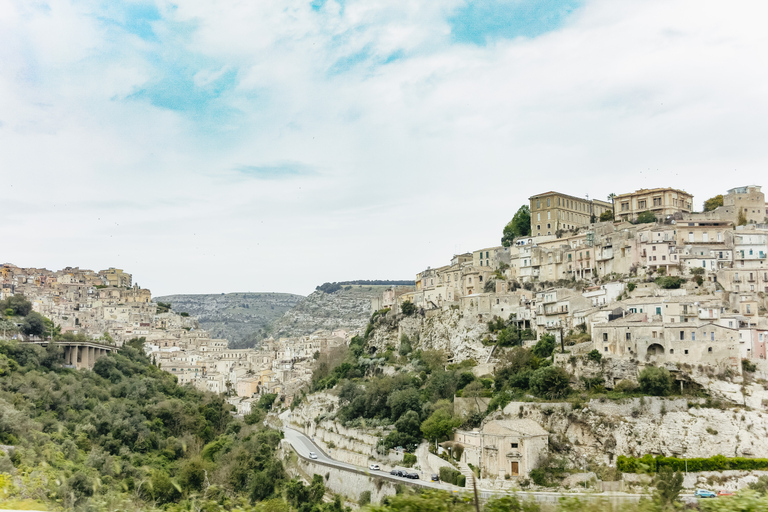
<point x="481" y="279"/>
<point x="686" y="352"/>
<point x="709" y="349"/>
<point x="682" y="335"/>
<point x="629" y="337"/>
<point x="549" y="226"/>
<point x="654" y="247"/>
<point x="538" y="216"/>
<point x="547" y="202"/>
<point x="514" y="445"/>
<point x="671" y="351"/>
<point x="605" y="349"/>
<point x="605" y="336"/>
<point x="693" y="336"/>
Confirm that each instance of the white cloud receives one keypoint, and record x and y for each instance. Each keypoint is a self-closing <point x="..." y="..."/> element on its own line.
<point x="417" y="159"/>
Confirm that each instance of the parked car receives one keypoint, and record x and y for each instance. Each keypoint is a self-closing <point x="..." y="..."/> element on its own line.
<point x="374" y="467"/>
<point x="312" y="455"/>
<point x="396" y="472"/>
<point x="435" y="477"/>
<point x="724" y="493"/>
<point x="703" y="493"/>
<point x="412" y="476"/>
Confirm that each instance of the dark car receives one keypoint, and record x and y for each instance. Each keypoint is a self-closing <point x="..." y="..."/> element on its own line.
<point x="396" y="472"/>
<point x="435" y="477"/>
<point x="412" y="476"/>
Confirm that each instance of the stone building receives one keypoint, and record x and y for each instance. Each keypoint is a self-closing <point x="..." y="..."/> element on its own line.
<point x="662" y="202"/>
<point x="554" y="211"/>
<point x="504" y="447"/>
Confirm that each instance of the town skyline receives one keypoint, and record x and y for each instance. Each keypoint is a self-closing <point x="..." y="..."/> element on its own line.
<point x="276" y="141"/>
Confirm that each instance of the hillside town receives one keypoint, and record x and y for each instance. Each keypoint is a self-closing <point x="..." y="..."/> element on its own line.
<point x="108" y="308"/>
<point x="683" y="287"/>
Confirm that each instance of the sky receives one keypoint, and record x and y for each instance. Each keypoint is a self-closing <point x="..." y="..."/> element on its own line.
<point x="219" y="146"/>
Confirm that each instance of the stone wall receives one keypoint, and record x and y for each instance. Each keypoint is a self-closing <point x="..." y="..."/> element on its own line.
<point x="346" y="482"/>
<point x="600" y="431"/>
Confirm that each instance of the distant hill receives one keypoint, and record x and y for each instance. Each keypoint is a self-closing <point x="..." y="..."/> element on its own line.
<point x="234" y="316"/>
<point x="346" y="307"/>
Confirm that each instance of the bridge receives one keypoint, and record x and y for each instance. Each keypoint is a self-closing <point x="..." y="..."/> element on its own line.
<point x="80" y="354"/>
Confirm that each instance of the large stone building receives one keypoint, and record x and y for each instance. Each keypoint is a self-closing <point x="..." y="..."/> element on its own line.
<point x="554" y="211"/>
<point x="662" y="202"/>
<point x="504" y="448"/>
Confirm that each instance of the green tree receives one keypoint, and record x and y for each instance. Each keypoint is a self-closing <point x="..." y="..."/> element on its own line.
<point x="550" y="382"/>
<point x="668" y="487"/>
<point x="405" y="345"/>
<point x="408" y="308"/>
<point x="545" y="346"/>
<point x="16" y="305"/>
<point x="439" y="425"/>
<point x="646" y="217"/>
<point x="606" y="216"/>
<point x="655" y="381"/>
<point x="520" y="225"/>
<point x="266" y="401"/>
<point x="713" y="202"/>
<point x="33" y="324"/>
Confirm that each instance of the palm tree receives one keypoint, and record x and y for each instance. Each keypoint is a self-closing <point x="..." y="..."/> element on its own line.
<point x="611" y="196"/>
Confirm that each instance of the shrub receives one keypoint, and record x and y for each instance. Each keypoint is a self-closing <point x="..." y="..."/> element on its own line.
<point x="408" y="308"/>
<point x="365" y="498"/>
<point x="646" y="217"/>
<point x="409" y="460"/>
<point x="595" y="355"/>
<point x="655" y="381"/>
<point x="545" y="346"/>
<point x="631" y="286"/>
<point x="669" y="282"/>
<point x="625" y="386"/>
<point x="449" y="475"/>
<point x="748" y="366"/>
<point x="550" y="382"/>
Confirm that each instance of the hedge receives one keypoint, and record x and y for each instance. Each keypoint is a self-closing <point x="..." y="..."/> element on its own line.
<point x="651" y="464"/>
<point x="451" y="476"/>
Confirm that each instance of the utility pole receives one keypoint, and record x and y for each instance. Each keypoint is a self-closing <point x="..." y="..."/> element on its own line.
<point x="562" y="343"/>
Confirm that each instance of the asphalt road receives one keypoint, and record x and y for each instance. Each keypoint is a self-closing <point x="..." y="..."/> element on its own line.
<point x="303" y="445"/>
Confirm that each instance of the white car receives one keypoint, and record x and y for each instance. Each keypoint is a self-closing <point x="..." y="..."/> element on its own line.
<point x="312" y="455"/>
<point x="374" y="467"/>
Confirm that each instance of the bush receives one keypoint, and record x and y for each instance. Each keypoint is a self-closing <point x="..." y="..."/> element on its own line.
<point x="631" y="287"/>
<point x="550" y="382"/>
<point x="669" y="282"/>
<point x="651" y="464"/>
<point x="606" y="216"/>
<point x="364" y="499"/>
<point x="409" y="460"/>
<point x="408" y="308"/>
<point x="748" y="366"/>
<point x="595" y="355"/>
<point x="646" y="217"/>
<point x="625" y="386"/>
<point x="449" y="475"/>
<point x="655" y="381"/>
<point x="545" y="346"/>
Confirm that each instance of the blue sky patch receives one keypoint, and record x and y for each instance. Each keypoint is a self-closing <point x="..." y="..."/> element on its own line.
<point x="479" y="22"/>
<point x="134" y="18"/>
<point x="276" y="172"/>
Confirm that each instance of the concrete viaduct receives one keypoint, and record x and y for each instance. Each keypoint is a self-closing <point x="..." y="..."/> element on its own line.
<point x="81" y="354"/>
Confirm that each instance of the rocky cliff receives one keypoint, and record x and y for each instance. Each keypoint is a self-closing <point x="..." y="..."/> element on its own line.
<point x="241" y="318"/>
<point x="348" y="308"/>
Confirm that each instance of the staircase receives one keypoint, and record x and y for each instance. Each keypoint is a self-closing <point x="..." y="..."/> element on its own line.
<point x="468" y="473"/>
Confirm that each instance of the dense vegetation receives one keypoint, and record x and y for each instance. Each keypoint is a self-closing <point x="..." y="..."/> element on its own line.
<point x="520" y="225"/>
<point x="125" y="433"/>
<point x="651" y="464"/>
<point x="665" y="498"/>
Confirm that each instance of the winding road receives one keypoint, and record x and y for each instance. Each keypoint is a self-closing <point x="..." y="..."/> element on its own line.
<point x="303" y="445"/>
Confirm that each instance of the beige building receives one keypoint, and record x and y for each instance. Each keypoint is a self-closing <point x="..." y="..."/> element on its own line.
<point x="504" y="448"/>
<point x="553" y="211"/>
<point x="116" y="277"/>
<point x="660" y="201"/>
<point x="749" y="201"/>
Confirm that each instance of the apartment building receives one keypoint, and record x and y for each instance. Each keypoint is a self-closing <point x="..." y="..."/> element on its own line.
<point x="553" y="211"/>
<point x="660" y="201"/>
